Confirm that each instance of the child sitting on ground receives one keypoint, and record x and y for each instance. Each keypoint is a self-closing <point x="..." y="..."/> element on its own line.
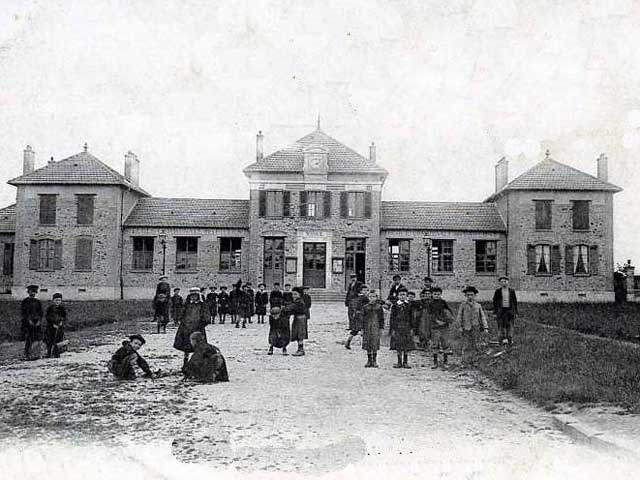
<point x="207" y="364"/>
<point x="123" y="363"/>
<point x="472" y="319"/>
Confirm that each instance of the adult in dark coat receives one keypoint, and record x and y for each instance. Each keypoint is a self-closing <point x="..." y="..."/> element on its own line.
<point x="279" y="330"/>
<point x="396" y="286"/>
<point x="31" y="312"/>
<point x="372" y="324"/>
<point x="194" y="319"/>
<point x="55" y="317"/>
<point x="355" y="319"/>
<point x="401" y="329"/>
<point x="123" y="363"/>
<point x="505" y="307"/>
<point x="212" y="303"/>
<point x="207" y="364"/>
<point x="299" y="332"/>
<point x="275" y="297"/>
<point x="177" y="306"/>
<point x="223" y="304"/>
<point x="261" y="301"/>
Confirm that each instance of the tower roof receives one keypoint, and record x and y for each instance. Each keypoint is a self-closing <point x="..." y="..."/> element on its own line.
<point x="549" y="174"/>
<point x="79" y="169"/>
<point x="341" y="159"/>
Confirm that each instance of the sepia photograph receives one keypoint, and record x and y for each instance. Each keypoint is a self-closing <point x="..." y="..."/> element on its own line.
<point x="332" y="239"/>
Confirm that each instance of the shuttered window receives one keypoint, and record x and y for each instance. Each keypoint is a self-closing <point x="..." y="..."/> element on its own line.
<point x="486" y="256"/>
<point x="45" y="254"/>
<point x="355" y="204"/>
<point x="85" y="209"/>
<point x="580" y="209"/>
<point x="142" y="258"/>
<point x="7" y="263"/>
<point x="580" y="259"/>
<point x="314" y="204"/>
<point x="399" y="255"/>
<point x="187" y="253"/>
<point x="84" y="254"/>
<point x="230" y="254"/>
<point x="543" y="214"/>
<point x="48" y="209"/>
<point x="274" y="203"/>
<point x="543" y="259"/>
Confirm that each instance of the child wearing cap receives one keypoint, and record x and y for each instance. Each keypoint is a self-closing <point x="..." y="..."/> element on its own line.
<point x="252" y="301"/>
<point x="287" y="294"/>
<point x="426" y="297"/>
<point x="279" y="330"/>
<point x="261" y="301"/>
<point x="356" y="304"/>
<point x="372" y="324"/>
<point x="401" y="329"/>
<point x="56" y="316"/>
<point x="438" y="318"/>
<point x="212" y="304"/>
<point x="472" y="320"/>
<point x="275" y="297"/>
<point x="161" y="312"/>
<point x="31" y="312"/>
<point x="505" y="308"/>
<point x="223" y="304"/>
<point x="123" y="363"/>
<point x="297" y="309"/>
<point x="177" y="305"/>
<point x="207" y="364"/>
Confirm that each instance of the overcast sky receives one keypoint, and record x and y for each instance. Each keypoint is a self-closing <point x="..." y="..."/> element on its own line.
<point x="443" y="88"/>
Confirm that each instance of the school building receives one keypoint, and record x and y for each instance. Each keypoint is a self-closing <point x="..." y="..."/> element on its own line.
<point x="313" y="216"/>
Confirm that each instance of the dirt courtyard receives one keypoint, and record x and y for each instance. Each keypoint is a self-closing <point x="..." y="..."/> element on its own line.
<point x="322" y="415"/>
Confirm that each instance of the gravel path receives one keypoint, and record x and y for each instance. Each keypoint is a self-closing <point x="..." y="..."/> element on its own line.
<point x="322" y="414"/>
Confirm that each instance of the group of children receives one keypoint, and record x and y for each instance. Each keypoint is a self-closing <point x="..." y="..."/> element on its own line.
<point x="414" y="323"/>
<point x="34" y="335"/>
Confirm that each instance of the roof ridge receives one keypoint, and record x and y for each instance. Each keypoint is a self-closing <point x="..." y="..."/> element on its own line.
<point x="581" y="172"/>
<point x="336" y="141"/>
<point x="434" y="202"/>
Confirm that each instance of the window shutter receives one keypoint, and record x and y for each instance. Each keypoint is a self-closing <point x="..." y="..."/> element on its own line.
<point x="344" y="204"/>
<point x="531" y="260"/>
<point x="327" y="204"/>
<point x="303" y="203"/>
<point x="568" y="260"/>
<point x="555" y="259"/>
<point x="33" y="255"/>
<point x="286" y="203"/>
<point x="262" y="203"/>
<point x="367" y="204"/>
<point x="57" y="258"/>
<point x="594" y="260"/>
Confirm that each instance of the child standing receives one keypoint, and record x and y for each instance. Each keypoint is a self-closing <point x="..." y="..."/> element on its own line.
<point x="252" y="301"/>
<point x="243" y="311"/>
<point x="287" y="295"/>
<point x="426" y="297"/>
<point x="223" y="304"/>
<point x="355" y="318"/>
<point x="372" y="325"/>
<point x="279" y="331"/>
<point x="275" y="297"/>
<point x="261" y="301"/>
<point x="299" y="332"/>
<point x="306" y="298"/>
<point x="177" y="304"/>
<point x="31" y="310"/>
<point x="438" y="317"/>
<point x="234" y="301"/>
<point x="196" y="314"/>
<point x="212" y="303"/>
<point x="161" y="312"/>
<point x="401" y="329"/>
<point x="54" y="332"/>
<point x="472" y="319"/>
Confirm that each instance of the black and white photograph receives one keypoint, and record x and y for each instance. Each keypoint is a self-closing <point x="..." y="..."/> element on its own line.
<point x="278" y="239"/>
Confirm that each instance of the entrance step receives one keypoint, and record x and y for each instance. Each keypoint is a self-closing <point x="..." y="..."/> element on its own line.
<point x="322" y="295"/>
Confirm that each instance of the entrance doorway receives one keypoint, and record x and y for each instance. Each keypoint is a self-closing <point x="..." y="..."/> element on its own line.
<point x="355" y="259"/>
<point x="314" y="264"/>
<point x="273" y="262"/>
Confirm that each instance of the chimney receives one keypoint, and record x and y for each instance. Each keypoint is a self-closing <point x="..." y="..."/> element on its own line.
<point x="259" y="151"/>
<point x="132" y="168"/>
<point x="29" y="160"/>
<point x="603" y="167"/>
<point x="372" y="152"/>
<point x="502" y="173"/>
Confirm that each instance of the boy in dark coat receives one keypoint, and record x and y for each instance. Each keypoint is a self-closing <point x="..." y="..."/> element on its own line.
<point x="352" y="291"/>
<point x="223" y="304"/>
<point x="163" y="287"/>
<point x="194" y="319"/>
<point x="426" y="297"/>
<point x="395" y="287"/>
<point x="355" y="320"/>
<point x="31" y="311"/>
<point x="252" y="299"/>
<point x="287" y="295"/>
<point x="212" y="303"/>
<point x="234" y="301"/>
<point x="56" y="316"/>
<point x="297" y="309"/>
<point x="372" y="325"/>
<point x="401" y="329"/>
<point x="177" y="305"/>
<point x="261" y="301"/>
<point x="207" y="364"/>
<point x="438" y="318"/>
<point x="505" y="308"/>
<point x="161" y="312"/>
<point x="306" y="298"/>
<point x="275" y="297"/>
<point x="279" y="330"/>
<point x="243" y="307"/>
<point x="123" y="363"/>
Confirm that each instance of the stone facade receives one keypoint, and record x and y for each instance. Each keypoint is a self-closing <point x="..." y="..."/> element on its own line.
<point x="7" y="246"/>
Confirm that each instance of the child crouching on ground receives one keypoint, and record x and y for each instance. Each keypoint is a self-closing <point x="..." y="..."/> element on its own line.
<point x="279" y="331"/>
<point x="123" y="363"/>
<point x="440" y="317"/>
<point x="372" y="325"/>
<point x="472" y="320"/>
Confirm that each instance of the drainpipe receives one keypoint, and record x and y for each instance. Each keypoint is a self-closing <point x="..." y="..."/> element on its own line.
<point x="121" y="244"/>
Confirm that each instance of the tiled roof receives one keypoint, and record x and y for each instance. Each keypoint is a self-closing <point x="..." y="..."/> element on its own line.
<point x="8" y="219"/>
<point x="291" y="159"/>
<point x="551" y="175"/>
<point x="189" y="212"/>
<point x="441" y="216"/>
<point x="80" y="169"/>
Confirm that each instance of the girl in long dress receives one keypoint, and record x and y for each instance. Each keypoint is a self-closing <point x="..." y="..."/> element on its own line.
<point x="194" y="319"/>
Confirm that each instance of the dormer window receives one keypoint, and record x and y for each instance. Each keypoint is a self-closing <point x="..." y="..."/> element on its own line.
<point x="315" y="159"/>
